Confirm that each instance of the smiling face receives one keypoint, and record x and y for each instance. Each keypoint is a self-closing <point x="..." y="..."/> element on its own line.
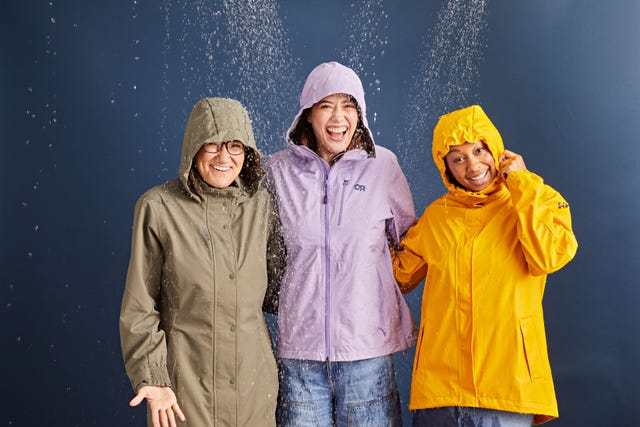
<point x="218" y="169"/>
<point x="472" y="165"/>
<point x="334" y="120"/>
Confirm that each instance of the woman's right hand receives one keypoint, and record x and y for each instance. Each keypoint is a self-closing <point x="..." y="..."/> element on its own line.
<point x="162" y="404"/>
<point x="509" y="162"/>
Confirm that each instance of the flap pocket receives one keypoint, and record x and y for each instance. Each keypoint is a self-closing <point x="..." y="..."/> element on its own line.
<point x="533" y="347"/>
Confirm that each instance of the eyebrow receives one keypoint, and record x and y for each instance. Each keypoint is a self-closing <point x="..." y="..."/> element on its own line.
<point x="344" y="98"/>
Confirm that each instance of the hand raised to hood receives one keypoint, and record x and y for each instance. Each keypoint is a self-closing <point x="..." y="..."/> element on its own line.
<point x="508" y="162"/>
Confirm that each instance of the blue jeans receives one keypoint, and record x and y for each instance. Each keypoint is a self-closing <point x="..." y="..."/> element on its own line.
<point x="463" y="416"/>
<point x="358" y="393"/>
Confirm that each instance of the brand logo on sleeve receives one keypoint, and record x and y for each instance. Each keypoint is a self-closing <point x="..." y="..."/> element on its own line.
<point x="359" y="187"/>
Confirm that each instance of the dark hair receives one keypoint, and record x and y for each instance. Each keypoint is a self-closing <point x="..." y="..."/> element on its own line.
<point x="302" y="133"/>
<point x="450" y="176"/>
<point x="252" y="170"/>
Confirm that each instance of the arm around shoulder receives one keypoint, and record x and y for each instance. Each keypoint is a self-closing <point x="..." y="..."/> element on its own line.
<point x="400" y="198"/>
<point x="409" y="266"/>
<point x="408" y="269"/>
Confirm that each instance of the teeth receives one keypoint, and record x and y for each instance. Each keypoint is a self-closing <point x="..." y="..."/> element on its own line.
<point x="341" y="129"/>
<point x="479" y="177"/>
<point x="222" y="168"/>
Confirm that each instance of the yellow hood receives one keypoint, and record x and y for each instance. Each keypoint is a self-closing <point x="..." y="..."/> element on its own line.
<point x="469" y="124"/>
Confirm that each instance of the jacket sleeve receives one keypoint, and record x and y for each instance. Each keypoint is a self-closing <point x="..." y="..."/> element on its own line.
<point x="142" y="339"/>
<point x="401" y="202"/>
<point x="276" y="259"/>
<point x="409" y="267"/>
<point x="544" y="223"/>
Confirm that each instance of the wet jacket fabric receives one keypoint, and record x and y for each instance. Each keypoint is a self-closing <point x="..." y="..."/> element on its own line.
<point x="486" y="257"/>
<point x="338" y="299"/>
<point x="191" y="315"/>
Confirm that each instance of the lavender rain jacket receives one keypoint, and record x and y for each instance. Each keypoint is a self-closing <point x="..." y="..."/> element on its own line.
<point x="339" y="299"/>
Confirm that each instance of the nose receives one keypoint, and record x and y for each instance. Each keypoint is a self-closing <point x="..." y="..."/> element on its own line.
<point x="338" y="112"/>
<point x="473" y="162"/>
<point x="223" y="153"/>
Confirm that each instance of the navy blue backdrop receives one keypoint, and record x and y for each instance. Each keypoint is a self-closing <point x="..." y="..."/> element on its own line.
<point x="95" y="96"/>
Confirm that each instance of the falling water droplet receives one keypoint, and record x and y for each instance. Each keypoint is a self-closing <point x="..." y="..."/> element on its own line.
<point x="447" y="76"/>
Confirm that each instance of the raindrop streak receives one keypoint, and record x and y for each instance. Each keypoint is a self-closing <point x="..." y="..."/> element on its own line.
<point x="264" y="67"/>
<point x="447" y="76"/>
<point x="236" y="49"/>
<point x="366" y="43"/>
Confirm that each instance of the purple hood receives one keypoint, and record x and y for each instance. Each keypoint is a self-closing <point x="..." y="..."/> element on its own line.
<point x="327" y="79"/>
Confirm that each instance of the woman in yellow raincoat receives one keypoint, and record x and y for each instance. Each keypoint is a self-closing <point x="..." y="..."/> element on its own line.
<point x="485" y="249"/>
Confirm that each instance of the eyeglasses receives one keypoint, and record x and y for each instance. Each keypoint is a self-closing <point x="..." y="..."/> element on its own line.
<point x="234" y="148"/>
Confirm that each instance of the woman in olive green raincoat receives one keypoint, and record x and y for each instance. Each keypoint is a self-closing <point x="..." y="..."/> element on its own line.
<point x="194" y="338"/>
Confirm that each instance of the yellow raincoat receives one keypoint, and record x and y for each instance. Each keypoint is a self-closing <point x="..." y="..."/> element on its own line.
<point x="485" y="257"/>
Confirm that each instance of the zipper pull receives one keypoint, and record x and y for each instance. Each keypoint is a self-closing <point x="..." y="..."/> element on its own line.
<point x="325" y="198"/>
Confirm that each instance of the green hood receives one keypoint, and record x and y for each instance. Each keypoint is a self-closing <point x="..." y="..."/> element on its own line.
<point x="220" y="120"/>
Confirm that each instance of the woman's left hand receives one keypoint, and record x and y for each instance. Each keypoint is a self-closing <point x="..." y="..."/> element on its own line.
<point x="509" y="162"/>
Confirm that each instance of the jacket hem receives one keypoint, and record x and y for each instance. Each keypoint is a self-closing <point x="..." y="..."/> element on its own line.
<point x="345" y="356"/>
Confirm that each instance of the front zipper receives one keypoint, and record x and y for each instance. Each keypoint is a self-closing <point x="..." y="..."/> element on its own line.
<point x="327" y="254"/>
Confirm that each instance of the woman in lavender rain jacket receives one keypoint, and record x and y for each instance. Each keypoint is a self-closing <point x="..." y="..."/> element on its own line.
<point x="341" y="200"/>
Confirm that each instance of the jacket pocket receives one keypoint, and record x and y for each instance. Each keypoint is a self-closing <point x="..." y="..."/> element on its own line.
<point x="416" y="362"/>
<point x="533" y="350"/>
<point x="344" y="190"/>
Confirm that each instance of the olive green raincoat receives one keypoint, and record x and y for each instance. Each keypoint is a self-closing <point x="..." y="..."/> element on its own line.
<point x="191" y="314"/>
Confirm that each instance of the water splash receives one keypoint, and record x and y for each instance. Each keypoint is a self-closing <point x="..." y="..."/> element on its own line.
<point x="264" y="66"/>
<point x="192" y="69"/>
<point x="236" y="49"/>
<point x="366" y="43"/>
<point x="447" y="77"/>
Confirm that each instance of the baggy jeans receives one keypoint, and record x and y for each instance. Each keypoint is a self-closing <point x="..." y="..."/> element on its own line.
<point x="358" y="393"/>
